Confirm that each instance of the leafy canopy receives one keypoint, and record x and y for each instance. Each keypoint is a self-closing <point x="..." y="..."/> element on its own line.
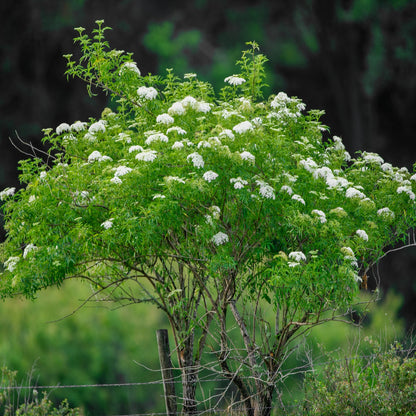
<point x="227" y="184"/>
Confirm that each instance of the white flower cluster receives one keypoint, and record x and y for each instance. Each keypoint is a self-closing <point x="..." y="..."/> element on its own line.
<point x="129" y="67"/>
<point x="320" y="214"/>
<point x="386" y="213"/>
<point x="220" y="238"/>
<point x="98" y="126"/>
<point x="147" y="93"/>
<point x="296" y="257"/>
<point x="196" y="159"/>
<point x="176" y="129"/>
<point x="28" y="249"/>
<point x="180" y="107"/>
<point x="120" y="171"/>
<point x="372" y="158"/>
<point x="7" y="192"/>
<point x="210" y="176"/>
<point x="354" y="193"/>
<point x="298" y="198"/>
<point x="286" y="107"/>
<point x="174" y="179"/>
<point x="96" y="156"/>
<point x="107" y="224"/>
<point x="11" y="263"/>
<point x="247" y="156"/>
<point x="287" y="189"/>
<point x="243" y="127"/>
<point x="159" y="137"/>
<point x="234" y="80"/>
<point x="147" y="155"/>
<point x="362" y="234"/>
<point x="164" y="118"/>
<point x="407" y="190"/>
<point x="227" y="133"/>
<point x="238" y="183"/>
<point x="265" y="190"/>
<point x="135" y="148"/>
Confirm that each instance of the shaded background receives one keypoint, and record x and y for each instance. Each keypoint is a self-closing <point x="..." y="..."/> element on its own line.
<point x="354" y="59"/>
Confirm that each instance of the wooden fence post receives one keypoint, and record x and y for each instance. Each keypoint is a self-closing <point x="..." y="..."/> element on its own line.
<point x="166" y="369"/>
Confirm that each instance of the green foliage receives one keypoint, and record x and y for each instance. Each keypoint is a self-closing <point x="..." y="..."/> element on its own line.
<point x="382" y="383"/>
<point x="14" y="401"/>
<point x="203" y="205"/>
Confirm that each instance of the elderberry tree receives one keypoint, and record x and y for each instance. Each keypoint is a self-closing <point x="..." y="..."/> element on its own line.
<point x="217" y="209"/>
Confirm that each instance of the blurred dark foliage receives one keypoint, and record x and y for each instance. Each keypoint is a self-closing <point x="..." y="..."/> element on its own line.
<point x="354" y="59"/>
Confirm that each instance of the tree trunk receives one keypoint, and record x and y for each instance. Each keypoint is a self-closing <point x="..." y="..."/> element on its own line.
<point x="189" y="378"/>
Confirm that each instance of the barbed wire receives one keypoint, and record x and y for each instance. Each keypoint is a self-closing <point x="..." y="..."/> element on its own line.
<point x="177" y="379"/>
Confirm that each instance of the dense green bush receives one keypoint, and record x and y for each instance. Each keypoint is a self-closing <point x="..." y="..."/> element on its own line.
<point x="381" y="383"/>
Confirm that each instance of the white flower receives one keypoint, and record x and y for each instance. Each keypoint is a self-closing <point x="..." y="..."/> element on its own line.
<point x="147" y="155"/>
<point x="243" y="127"/>
<point x="32" y="198"/>
<point x="204" y="143"/>
<point x="286" y="188"/>
<point x="122" y="170"/>
<point x="148" y="93"/>
<point x="176" y="129"/>
<point x="123" y="137"/>
<point x="323" y="172"/>
<point x="215" y="211"/>
<point x="297" y="256"/>
<point x="227" y="133"/>
<point x="413" y="177"/>
<point x="234" y="80"/>
<point x="11" y="262"/>
<point x="7" y="192"/>
<point x="197" y="160"/>
<point x="265" y="190"/>
<point x="298" y="198"/>
<point x="116" y="180"/>
<point x="158" y="196"/>
<point x="320" y="214"/>
<point x="281" y="98"/>
<point x="238" y="183"/>
<point x="129" y="67"/>
<point x="338" y="145"/>
<point x="247" y="156"/>
<point x="174" y="179"/>
<point x="177" y="108"/>
<point x="177" y="145"/>
<point x="348" y="253"/>
<point x="203" y="107"/>
<point x="293" y="263"/>
<point x="308" y="164"/>
<point x="407" y="190"/>
<point x="43" y="174"/>
<point x="135" y="148"/>
<point x="78" y="126"/>
<point x="220" y="238"/>
<point x="29" y="248"/>
<point x="189" y="101"/>
<point x="386" y="213"/>
<point x="257" y="121"/>
<point x="160" y="137"/>
<point x="210" y="176"/>
<point x="97" y="156"/>
<point x="63" y="127"/>
<point x="354" y="193"/>
<point x="189" y="75"/>
<point x="107" y="224"/>
<point x="336" y="182"/>
<point x="373" y="158"/>
<point x="97" y="126"/>
<point x="164" y="118"/>
<point x="362" y="234"/>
